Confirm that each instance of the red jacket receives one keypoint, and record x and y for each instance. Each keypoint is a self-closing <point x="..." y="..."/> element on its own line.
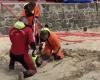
<point x="20" y="40"/>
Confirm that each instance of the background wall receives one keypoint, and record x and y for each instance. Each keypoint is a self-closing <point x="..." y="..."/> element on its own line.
<point x="58" y="16"/>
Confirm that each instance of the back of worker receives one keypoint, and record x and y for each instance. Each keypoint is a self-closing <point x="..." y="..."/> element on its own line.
<point x="20" y="40"/>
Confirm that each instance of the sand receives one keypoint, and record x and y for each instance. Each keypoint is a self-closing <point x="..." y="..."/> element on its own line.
<point x="82" y="62"/>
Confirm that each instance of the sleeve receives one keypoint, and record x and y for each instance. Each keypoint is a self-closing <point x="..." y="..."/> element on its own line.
<point x="56" y="44"/>
<point x="10" y="32"/>
<point x="31" y="39"/>
<point x="47" y="49"/>
<point x="37" y="11"/>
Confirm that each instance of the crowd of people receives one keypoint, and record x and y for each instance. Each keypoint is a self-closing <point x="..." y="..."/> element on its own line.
<point x="28" y="33"/>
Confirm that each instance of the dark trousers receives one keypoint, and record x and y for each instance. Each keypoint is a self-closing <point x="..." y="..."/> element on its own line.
<point x="26" y="62"/>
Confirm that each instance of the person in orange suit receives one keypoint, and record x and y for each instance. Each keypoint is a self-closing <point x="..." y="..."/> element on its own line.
<point x="52" y="44"/>
<point x="32" y="12"/>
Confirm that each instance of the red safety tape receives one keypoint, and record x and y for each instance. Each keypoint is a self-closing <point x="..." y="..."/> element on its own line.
<point x="65" y="34"/>
<point x="82" y="34"/>
<point x="9" y="9"/>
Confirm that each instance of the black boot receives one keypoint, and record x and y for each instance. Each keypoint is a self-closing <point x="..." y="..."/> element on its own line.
<point x="11" y="65"/>
<point x="29" y="73"/>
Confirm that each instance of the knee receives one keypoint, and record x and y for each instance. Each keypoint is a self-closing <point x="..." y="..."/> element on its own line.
<point x="32" y="72"/>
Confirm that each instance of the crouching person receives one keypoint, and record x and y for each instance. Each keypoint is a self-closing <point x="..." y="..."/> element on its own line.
<point x="21" y="37"/>
<point x="52" y="49"/>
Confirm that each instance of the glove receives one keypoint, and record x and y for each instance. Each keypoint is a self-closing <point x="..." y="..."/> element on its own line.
<point x="33" y="55"/>
<point x="56" y="57"/>
<point x="33" y="45"/>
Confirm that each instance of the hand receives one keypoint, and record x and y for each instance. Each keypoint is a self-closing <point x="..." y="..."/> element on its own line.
<point x="40" y="46"/>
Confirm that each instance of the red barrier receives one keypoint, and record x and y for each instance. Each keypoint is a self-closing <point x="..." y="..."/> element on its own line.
<point x="9" y="9"/>
<point x="82" y="34"/>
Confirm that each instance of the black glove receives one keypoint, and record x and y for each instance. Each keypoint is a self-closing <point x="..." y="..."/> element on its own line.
<point x="56" y="57"/>
<point x="33" y="45"/>
<point x="33" y="55"/>
<point x="40" y="46"/>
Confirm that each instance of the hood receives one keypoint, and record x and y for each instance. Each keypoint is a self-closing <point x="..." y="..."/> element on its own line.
<point x="19" y="25"/>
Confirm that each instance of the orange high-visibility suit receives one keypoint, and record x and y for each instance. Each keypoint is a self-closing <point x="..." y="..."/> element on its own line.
<point x="53" y="44"/>
<point x="35" y="11"/>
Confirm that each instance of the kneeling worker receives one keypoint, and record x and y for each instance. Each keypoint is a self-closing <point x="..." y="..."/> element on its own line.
<point x="21" y="37"/>
<point x="52" y="44"/>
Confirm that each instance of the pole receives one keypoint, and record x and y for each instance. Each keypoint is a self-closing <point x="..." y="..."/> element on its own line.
<point x="96" y="2"/>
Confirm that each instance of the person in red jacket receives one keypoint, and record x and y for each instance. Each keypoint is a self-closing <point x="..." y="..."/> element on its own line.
<point x="52" y="44"/>
<point x="21" y="37"/>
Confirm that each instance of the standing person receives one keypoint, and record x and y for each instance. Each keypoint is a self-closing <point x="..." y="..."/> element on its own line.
<point x="32" y="12"/>
<point x="21" y="37"/>
<point x="52" y="44"/>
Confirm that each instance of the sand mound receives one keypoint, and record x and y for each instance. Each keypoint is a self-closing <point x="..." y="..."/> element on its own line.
<point x="80" y="63"/>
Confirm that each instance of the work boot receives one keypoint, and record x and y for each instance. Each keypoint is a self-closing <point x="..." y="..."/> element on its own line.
<point x="21" y="76"/>
<point x="11" y="65"/>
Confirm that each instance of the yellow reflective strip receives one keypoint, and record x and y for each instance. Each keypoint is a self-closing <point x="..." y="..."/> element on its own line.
<point x="45" y="29"/>
<point x="34" y="58"/>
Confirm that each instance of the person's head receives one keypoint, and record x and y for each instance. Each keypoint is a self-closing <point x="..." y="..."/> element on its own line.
<point x="44" y="34"/>
<point x="19" y="25"/>
<point x="32" y="4"/>
<point x="24" y="20"/>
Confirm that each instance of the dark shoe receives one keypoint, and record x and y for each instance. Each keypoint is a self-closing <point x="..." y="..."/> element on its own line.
<point x="21" y="76"/>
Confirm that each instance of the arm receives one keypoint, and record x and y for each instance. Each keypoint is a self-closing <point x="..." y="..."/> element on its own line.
<point x="37" y="11"/>
<point x="31" y="39"/>
<point x="37" y="14"/>
<point x="57" y="45"/>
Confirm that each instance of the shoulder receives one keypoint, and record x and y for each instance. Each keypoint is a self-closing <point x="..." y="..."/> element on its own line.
<point x="54" y="36"/>
<point x="11" y="29"/>
<point x="28" y="29"/>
